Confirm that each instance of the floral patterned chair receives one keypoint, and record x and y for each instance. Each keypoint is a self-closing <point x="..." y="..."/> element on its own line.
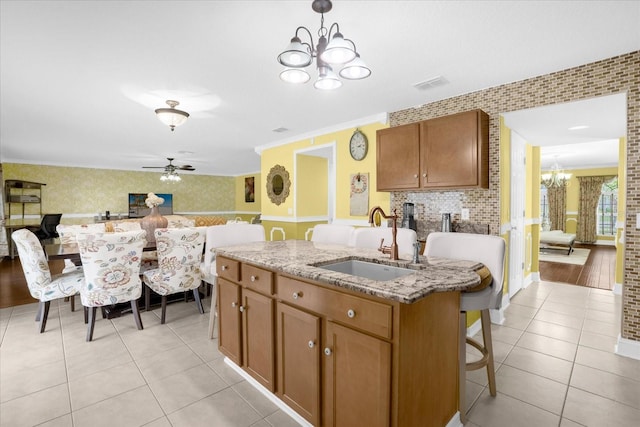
<point x="111" y="264"/>
<point x="179" y="254"/>
<point x="42" y="285"/>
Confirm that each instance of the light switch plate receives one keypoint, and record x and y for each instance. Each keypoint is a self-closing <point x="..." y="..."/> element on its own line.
<point x="464" y="214"/>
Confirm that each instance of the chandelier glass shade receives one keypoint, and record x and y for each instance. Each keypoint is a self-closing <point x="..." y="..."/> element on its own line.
<point x="556" y="177"/>
<point x="170" y="175"/>
<point x="171" y="116"/>
<point x="331" y="52"/>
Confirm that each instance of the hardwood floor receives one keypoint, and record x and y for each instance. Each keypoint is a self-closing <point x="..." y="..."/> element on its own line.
<point x="598" y="271"/>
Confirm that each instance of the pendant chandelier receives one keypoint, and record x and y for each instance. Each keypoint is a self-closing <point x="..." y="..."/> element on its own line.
<point x="331" y="52"/>
<point x="556" y="178"/>
<point x="171" y="116"/>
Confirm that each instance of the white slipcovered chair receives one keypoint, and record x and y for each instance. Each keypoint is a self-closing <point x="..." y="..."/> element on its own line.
<point x="218" y="236"/>
<point x="332" y="234"/>
<point x="111" y="265"/>
<point x="67" y="235"/>
<point x="42" y="285"/>
<point x="490" y="251"/>
<point x="370" y="237"/>
<point x="179" y="256"/>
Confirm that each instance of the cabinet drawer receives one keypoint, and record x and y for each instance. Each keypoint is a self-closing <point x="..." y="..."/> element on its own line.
<point x="228" y="269"/>
<point x="370" y="316"/>
<point x="256" y="278"/>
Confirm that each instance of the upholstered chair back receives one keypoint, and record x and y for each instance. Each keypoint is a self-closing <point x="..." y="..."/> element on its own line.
<point x="229" y="234"/>
<point x="67" y="233"/>
<point x="486" y="249"/>
<point x="370" y="237"/>
<point x="332" y="233"/>
<point x="111" y="264"/>
<point x="179" y="256"/>
<point x="36" y="270"/>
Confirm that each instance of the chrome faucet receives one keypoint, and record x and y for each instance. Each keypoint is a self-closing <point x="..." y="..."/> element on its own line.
<point x="393" y="249"/>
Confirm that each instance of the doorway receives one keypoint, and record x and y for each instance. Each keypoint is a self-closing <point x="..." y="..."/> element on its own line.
<point x="316" y="165"/>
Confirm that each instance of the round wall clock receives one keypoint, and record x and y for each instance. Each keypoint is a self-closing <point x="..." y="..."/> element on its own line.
<point x="358" y="145"/>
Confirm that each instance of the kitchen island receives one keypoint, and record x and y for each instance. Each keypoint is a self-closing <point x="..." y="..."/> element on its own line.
<point x="343" y="350"/>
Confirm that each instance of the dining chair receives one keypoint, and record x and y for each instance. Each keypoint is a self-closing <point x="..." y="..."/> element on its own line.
<point x="218" y="236"/>
<point x="490" y="251"/>
<point x="332" y="233"/>
<point x="370" y="237"/>
<point x="47" y="229"/>
<point x="43" y="286"/>
<point x="111" y="265"/>
<point x="179" y="256"/>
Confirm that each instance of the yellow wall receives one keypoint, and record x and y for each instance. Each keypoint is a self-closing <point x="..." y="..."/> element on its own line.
<point x="84" y="191"/>
<point x="282" y="215"/>
<point x="312" y="173"/>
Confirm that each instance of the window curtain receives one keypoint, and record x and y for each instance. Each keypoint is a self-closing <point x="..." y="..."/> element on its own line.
<point x="590" y="191"/>
<point x="557" y="207"/>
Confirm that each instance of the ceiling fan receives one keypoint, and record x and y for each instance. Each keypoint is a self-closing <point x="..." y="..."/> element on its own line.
<point x="170" y="168"/>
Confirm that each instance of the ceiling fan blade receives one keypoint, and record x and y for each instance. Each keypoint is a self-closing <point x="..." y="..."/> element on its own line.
<point x="186" y="168"/>
<point x="153" y="167"/>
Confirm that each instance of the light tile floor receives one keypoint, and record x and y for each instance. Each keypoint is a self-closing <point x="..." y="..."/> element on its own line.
<point x="554" y="360"/>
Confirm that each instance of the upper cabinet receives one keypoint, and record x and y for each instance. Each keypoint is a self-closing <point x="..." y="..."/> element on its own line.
<point x="442" y="153"/>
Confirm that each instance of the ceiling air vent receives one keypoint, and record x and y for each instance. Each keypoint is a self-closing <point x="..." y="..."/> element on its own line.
<point x="431" y="83"/>
<point x="280" y="130"/>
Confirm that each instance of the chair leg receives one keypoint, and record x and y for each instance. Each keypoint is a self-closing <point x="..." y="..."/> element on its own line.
<point x="44" y="314"/>
<point x="86" y="315"/>
<point x="196" y="296"/>
<point x="147" y="297"/>
<point x="462" y="366"/>
<point x="39" y="312"/>
<point x="92" y="322"/>
<point x="488" y="344"/>
<point x="164" y="309"/>
<point x="72" y="299"/>
<point x="136" y="314"/>
<point x="213" y="313"/>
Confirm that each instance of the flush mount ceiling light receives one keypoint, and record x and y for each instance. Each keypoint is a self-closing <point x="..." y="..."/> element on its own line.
<point x="330" y="52"/>
<point x="171" y="116"/>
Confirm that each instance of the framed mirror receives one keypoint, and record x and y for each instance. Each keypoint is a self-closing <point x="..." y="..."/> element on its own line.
<point x="278" y="184"/>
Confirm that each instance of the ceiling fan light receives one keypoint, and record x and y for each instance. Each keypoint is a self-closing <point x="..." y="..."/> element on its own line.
<point x="355" y="70"/>
<point x="338" y="51"/>
<point x="295" y="75"/>
<point x="295" y="55"/>
<point x="172" y="117"/>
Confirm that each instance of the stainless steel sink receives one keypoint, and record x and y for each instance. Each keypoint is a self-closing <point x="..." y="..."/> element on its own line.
<point x="369" y="270"/>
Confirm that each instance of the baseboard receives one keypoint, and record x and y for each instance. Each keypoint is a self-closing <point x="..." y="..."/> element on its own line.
<point x="455" y="421"/>
<point x="272" y="397"/>
<point x="628" y="348"/>
<point x="474" y="328"/>
<point x="535" y="277"/>
<point x="617" y="289"/>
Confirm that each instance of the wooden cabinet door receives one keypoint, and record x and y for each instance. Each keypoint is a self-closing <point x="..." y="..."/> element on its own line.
<point x="298" y="345"/>
<point x="356" y="378"/>
<point x="258" y="332"/>
<point x="398" y="158"/>
<point x="449" y="151"/>
<point x="229" y="320"/>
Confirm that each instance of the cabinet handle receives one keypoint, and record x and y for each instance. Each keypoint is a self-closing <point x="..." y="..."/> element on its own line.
<point x="311" y="344"/>
<point x="351" y="314"/>
<point x="415" y="176"/>
<point x="297" y="295"/>
<point x="241" y="308"/>
<point x="424" y="175"/>
<point x="224" y="268"/>
<point x="253" y="278"/>
<point x="234" y="304"/>
<point x="327" y="351"/>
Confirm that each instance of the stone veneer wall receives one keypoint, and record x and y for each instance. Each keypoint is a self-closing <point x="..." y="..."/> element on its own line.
<point x="615" y="75"/>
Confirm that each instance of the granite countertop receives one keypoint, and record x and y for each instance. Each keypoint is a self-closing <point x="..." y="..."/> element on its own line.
<point x="303" y="259"/>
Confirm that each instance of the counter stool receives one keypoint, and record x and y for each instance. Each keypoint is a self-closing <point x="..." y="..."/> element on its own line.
<point x="490" y="251"/>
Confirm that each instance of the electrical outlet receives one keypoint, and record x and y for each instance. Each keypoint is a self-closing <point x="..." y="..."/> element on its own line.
<point x="464" y="214"/>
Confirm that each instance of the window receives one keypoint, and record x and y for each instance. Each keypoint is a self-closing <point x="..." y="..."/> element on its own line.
<point x="608" y="209"/>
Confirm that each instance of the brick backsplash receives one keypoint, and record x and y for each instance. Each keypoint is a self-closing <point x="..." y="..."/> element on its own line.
<point x="620" y="74"/>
